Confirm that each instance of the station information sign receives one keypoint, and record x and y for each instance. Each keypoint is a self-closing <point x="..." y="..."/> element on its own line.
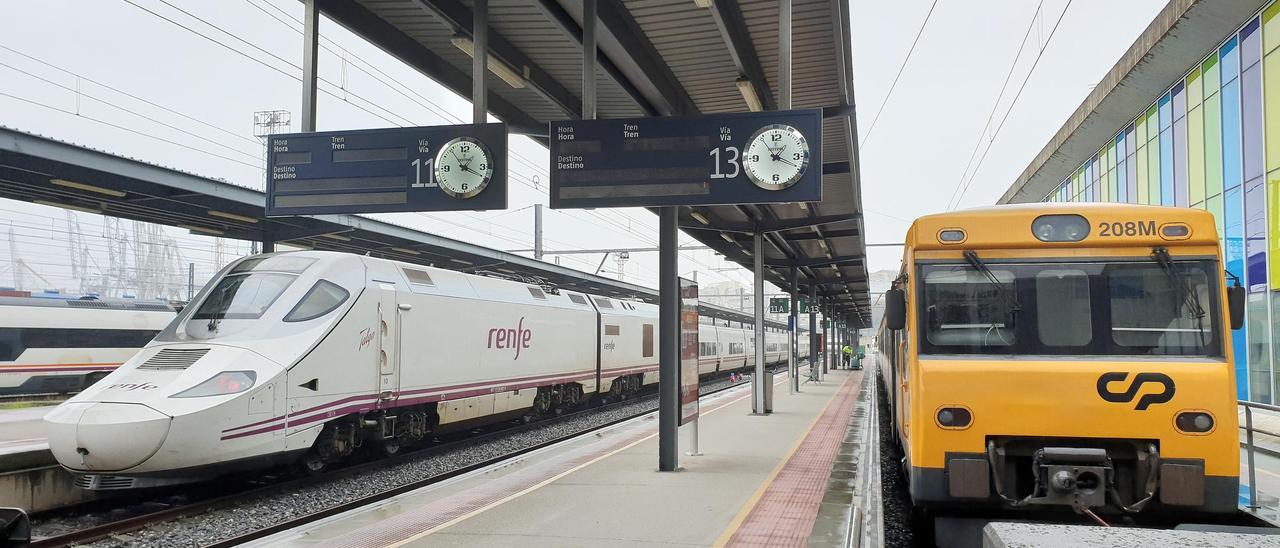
<point x="740" y="158"/>
<point x="437" y="168"/>
<point x="688" y="351"/>
<point x="782" y="305"/>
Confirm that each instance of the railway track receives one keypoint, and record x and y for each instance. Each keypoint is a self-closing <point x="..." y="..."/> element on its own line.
<point x="135" y="523"/>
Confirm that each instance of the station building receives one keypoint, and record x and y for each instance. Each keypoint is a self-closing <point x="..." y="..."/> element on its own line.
<point x="1209" y="139"/>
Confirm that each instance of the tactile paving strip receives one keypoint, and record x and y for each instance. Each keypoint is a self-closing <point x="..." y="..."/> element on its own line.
<point x="436" y="514"/>
<point x="785" y="513"/>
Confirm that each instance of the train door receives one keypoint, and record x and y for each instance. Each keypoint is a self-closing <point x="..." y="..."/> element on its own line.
<point x="389" y="312"/>
<point x="904" y="384"/>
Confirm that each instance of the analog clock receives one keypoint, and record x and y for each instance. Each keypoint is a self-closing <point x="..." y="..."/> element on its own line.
<point x="775" y="157"/>
<point x="463" y="167"/>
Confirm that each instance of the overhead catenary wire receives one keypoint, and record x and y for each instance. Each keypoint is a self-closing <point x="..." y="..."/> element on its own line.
<point x="901" y="68"/>
<point x="1013" y="103"/>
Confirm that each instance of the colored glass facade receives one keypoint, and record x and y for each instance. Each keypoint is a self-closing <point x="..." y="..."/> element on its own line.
<point x="1212" y="141"/>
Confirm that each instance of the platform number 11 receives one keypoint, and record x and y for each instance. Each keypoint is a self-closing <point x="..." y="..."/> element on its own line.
<point x="417" y="164"/>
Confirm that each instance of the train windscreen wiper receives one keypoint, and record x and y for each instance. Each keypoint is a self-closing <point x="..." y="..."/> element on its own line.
<point x="1007" y="297"/>
<point x="1178" y="283"/>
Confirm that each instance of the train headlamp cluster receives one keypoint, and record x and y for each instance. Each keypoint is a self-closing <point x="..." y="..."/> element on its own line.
<point x="222" y="384"/>
<point x="1194" y="422"/>
<point x="1175" y="231"/>
<point x="1060" y="228"/>
<point x="951" y="235"/>
<point x="957" y="418"/>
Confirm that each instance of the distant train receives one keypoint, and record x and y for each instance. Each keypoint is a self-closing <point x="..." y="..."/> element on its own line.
<point x="1060" y="356"/>
<point x="306" y="356"/>
<point x="65" y="345"/>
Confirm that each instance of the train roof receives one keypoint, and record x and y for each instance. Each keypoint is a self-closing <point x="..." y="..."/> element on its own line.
<point x="1010" y="226"/>
<point x="91" y="304"/>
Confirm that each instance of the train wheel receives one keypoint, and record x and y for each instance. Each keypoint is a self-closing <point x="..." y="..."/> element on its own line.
<point x="313" y="464"/>
<point x="542" y="402"/>
<point x="390" y="448"/>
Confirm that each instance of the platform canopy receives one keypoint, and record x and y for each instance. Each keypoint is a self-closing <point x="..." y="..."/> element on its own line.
<point x="664" y="58"/>
<point x="50" y="172"/>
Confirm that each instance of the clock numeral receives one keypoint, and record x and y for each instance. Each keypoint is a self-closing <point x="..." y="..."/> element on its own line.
<point x="797" y="156"/>
<point x="417" y="164"/>
<point x="775" y="136"/>
<point x="733" y="162"/>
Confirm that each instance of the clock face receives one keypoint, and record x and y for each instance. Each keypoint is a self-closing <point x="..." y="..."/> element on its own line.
<point x="463" y="167"/>
<point x="776" y="157"/>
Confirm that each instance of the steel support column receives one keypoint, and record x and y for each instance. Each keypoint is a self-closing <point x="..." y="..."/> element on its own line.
<point x="759" y="403"/>
<point x="793" y="358"/>
<point x="589" y="51"/>
<point x="310" y="50"/>
<point x="813" y="332"/>
<point x="479" y="61"/>
<point x="668" y="339"/>
<point x="268" y="246"/>
<point x="826" y="340"/>
<point x="537" y="231"/>
<point x="784" y="54"/>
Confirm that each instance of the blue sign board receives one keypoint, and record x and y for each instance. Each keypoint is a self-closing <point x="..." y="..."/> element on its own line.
<point x="438" y="168"/>
<point x="740" y="158"/>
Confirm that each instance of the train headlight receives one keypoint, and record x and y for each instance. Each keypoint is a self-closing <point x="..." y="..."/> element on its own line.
<point x="224" y="383"/>
<point x="957" y="418"/>
<point x="1194" y="422"/>
<point x="1060" y="228"/>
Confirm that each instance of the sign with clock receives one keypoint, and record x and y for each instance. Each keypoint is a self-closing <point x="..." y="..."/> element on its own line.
<point x="740" y="158"/>
<point x="437" y="168"/>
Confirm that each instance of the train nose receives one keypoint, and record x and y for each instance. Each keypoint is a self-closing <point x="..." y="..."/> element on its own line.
<point x="105" y="437"/>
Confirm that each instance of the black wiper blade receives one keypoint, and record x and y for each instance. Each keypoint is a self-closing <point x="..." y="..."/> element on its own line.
<point x="1009" y="299"/>
<point x="1178" y="283"/>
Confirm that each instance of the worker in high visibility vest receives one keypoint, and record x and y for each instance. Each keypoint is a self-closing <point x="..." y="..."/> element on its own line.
<point x="848" y="354"/>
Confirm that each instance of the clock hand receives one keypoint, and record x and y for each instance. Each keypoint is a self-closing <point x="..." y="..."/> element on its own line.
<point x="785" y="161"/>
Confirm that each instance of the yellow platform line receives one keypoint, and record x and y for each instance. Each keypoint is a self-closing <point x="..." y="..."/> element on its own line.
<point x="550" y="480"/>
<point x="750" y="505"/>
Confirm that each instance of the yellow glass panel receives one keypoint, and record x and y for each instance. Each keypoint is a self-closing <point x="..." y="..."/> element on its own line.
<point x="1271" y="27"/>
<point x="1193" y="88"/>
<point x="1273" y="224"/>
<point x="1141" y="158"/>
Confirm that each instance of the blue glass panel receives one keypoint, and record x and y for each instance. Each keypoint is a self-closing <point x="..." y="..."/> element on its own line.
<point x="1250" y="44"/>
<point x="1255" y="228"/>
<point x="1131" y="174"/>
<point x="1166" y="112"/>
<point x="1233" y="248"/>
<point x="1122" y="186"/>
<point x="1230" y="65"/>
<point x="1251" y="120"/>
<point x="1097" y="178"/>
<point x="1166" y="168"/>
<point x="1231" y="176"/>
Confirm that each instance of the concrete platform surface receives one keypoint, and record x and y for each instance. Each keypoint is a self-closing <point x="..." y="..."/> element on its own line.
<point x="760" y="480"/>
<point x="1041" y="535"/>
<point x="23" y="429"/>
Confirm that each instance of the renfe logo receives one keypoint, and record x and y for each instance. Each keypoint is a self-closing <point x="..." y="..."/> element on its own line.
<point x="130" y="387"/>
<point x="511" y="338"/>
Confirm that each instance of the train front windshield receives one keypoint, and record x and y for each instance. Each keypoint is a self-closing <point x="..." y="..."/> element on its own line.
<point x="1136" y="308"/>
<point x="243" y="293"/>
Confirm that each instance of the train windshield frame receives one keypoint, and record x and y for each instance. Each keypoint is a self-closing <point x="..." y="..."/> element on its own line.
<point x="1128" y="307"/>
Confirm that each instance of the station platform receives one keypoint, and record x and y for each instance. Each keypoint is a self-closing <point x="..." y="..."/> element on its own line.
<point x="761" y="481"/>
<point x="22" y="429"/>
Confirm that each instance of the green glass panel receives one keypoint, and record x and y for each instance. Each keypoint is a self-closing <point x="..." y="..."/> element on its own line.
<point x="1271" y="27"/>
<point x="1214" y="205"/>
<point x="1195" y="155"/>
<point x="1271" y="107"/>
<point x="1153" y="169"/>
<point x="1153" y="123"/>
<point x="1209" y="70"/>
<point x="1213" y="145"/>
<point x="1140" y="157"/>
<point x="1193" y="88"/>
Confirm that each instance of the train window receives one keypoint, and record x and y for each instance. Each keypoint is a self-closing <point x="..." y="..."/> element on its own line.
<point x="277" y="263"/>
<point x="1062" y="304"/>
<point x="611" y="330"/>
<point x="577" y="299"/>
<point x="15" y="340"/>
<point x="603" y="303"/>
<point x="966" y="308"/>
<point x="420" y="277"/>
<point x="242" y="296"/>
<point x="537" y="293"/>
<point x="1157" y="313"/>
<point x="647" y="343"/>
<point x="320" y="300"/>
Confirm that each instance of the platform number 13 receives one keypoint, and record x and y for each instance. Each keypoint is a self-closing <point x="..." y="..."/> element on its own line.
<point x="731" y="159"/>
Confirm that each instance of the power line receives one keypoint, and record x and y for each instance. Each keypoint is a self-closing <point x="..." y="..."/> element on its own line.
<point x="901" y="68"/>
<point x="990" y="117"/>
<point x="1014" y="103"/>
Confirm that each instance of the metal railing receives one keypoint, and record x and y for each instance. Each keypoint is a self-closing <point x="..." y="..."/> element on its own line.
<point x="1249" y="445"/>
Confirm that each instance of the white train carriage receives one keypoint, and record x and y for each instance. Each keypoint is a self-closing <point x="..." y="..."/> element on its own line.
<point x="64" y="345"/>
<point x="307" y="356"/>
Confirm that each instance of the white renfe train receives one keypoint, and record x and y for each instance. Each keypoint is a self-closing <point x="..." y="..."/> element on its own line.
<point x="306" y="356"/>
<point x="64" y="345"/>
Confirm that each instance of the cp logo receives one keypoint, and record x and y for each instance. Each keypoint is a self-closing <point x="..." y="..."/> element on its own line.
<point x="1134" y="386"/>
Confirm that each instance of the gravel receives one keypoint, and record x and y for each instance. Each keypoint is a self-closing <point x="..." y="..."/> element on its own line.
<point x="895" y="504"/>
<point x="267" y="510"/>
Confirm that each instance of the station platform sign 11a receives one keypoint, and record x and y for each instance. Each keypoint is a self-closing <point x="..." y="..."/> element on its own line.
<point x="436" y="168"/>
<point x="782" y="305"/>
<point x="723" y="159"/>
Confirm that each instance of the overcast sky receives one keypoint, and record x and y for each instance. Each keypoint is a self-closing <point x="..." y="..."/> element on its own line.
<point x="194" y="99"/>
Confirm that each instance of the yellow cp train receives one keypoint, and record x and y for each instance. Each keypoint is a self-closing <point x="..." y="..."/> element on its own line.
<point x="1065" y="355"/>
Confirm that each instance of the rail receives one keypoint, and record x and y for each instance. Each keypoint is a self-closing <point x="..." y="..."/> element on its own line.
<point x="1250" y="447"/>
<point x="866" y="529"/>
